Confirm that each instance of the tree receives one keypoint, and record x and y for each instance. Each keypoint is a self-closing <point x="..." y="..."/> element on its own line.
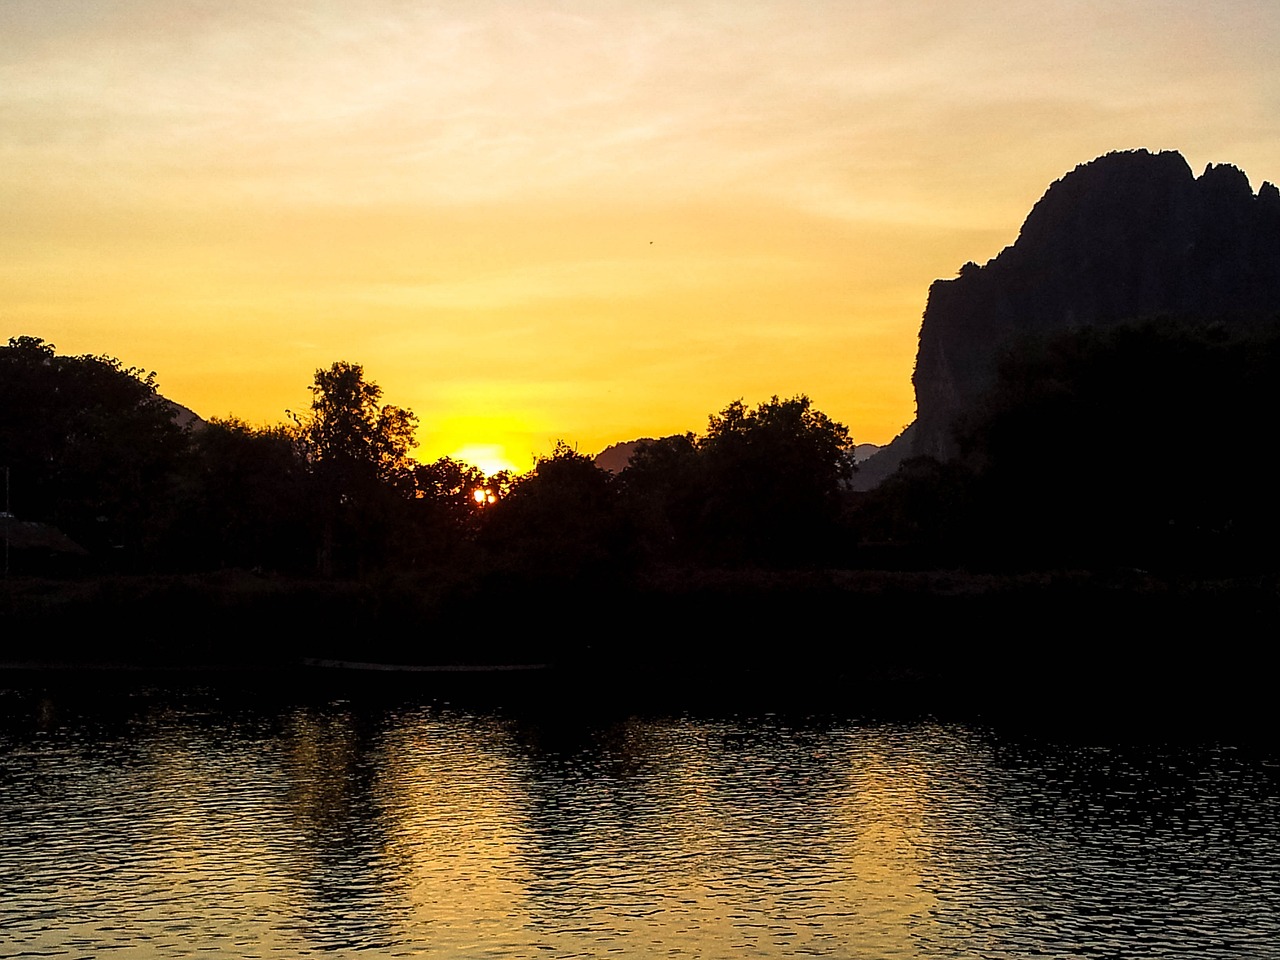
<point x="773" y="477"/>
<point x="664" y="487"/>
<point x="359" y="453"/>
<point x="91" y="444"/>
<point x="562" y="518"/>
<point x="243" y="498"/>
<point x="348" y="435"/>
<point x="787" y="438"/>
<point x="762" y="484"/>
<point x="450" y="498"/>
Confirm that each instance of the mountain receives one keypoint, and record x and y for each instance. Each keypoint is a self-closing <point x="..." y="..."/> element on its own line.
<point x="617" y="456"/>
<point x="1131" y="235"/>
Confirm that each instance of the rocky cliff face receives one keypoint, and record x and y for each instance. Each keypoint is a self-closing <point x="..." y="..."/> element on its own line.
<point x="1128" y="236"/>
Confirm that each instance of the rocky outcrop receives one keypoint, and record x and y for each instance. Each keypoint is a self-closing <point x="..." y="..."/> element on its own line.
<point x="1129" y="236"/>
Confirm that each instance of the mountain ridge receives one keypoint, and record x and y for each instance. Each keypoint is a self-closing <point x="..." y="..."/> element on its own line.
<point x="1130" y="235"/>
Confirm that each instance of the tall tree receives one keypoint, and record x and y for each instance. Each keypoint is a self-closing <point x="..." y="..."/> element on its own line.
<point x="349" y="435"/>
<point x="358" y="449"/>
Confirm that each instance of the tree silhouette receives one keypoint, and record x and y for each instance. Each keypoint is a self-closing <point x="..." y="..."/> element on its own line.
<point x="562" y="518"/>
<point x="243" y="498"/>
<point x="350" y="437"/>
<point x="90" y="443"/>
<point x="772" y="478"/>
<point x="665" y="489"/>
<point x="358" y="449"/>
<point x="763" y="485"/>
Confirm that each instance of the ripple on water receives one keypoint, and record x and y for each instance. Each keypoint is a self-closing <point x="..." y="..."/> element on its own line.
<point x="179" y="825"/>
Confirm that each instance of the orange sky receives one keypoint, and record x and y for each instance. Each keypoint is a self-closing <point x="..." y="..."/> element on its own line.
<point x="590" y="221"/>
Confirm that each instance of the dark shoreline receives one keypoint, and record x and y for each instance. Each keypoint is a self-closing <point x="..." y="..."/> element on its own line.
<point x="1076" y="647"/>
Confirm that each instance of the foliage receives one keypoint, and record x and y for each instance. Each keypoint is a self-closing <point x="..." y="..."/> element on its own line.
<point x="349" y="435"/>
<point x="921" y="516"/>
<point x="445" y="513"/>
<point x="358" y="450"/>
<point x="665" y="488"/>
<point x="243" y="499"/>
<point x="95" y="450"/>
<point x="793" y="450"/>
<point x="562" y="518"/>
<point x="451" y="485"/>
<point x="90" y="444"/>
<point x="763" y="484"/>
<point x="773" y="478"/>
<point x="1140" y="445"/>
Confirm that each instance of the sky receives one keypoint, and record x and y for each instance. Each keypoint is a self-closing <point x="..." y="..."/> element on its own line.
<point x="589" y="221"/>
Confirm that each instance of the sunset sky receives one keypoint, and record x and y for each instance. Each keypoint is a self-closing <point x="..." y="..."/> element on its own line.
<point x="582" y="220"/>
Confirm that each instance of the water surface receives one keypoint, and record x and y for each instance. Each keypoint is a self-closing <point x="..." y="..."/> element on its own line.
<point x="189" y="822"/>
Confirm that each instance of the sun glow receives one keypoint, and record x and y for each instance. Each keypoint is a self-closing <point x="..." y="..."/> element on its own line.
<point x="489" y="457"/>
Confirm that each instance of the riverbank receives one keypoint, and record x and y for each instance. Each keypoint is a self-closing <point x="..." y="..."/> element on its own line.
<point x="1066" y="643"/>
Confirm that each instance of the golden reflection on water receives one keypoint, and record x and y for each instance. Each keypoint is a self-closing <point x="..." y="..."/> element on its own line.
<point x="887" y="801"/>
<point x="344" y="830"/>
<point x="453" y="803"/>
<point x="461" y="834"/>
<point x="654" y="836"/>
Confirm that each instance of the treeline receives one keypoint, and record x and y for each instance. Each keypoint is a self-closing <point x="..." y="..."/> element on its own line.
<point x="94" y="451"/>
<point x="1140" y="447"/>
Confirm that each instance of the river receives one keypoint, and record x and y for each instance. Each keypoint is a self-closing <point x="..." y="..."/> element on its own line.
<point x="143" y="821"/>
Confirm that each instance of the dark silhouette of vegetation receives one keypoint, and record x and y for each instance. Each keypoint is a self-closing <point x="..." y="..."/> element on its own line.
<point x="1139" y="444"/>
<point x="91" y="447"/>
<point x="1135" y="445"/>
<point x="562" y="519"/>
<point x="1134" y="448"/>
<point x="451" y="498"/>
<point x="353" y="440"/>
<point x="774" y="475"/>
<point x="763" y="485"/>
<point x="358" y="451"/>
<point x="244" y="497"/>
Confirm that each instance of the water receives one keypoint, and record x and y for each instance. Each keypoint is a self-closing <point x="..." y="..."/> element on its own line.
<point x="173" y="823"/>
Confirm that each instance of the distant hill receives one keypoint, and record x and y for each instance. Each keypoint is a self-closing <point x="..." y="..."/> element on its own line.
<point x="615" y="457"/>
<point x="1129" y="236"/>
<point x="184" y="417"/>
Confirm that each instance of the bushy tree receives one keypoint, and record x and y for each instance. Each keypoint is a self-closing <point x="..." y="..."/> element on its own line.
<point x="762" y="485"/>
<point x="244" y="498"/>
<point x="665" y="489"/>
<point x="90" y="443"/>
<point x="446" y="511"/>
<point x="451" y="486"/>
<point x="358" y="449"/>
<point x="350" y="436"/>
<point x="773" y="477"/>
<point x="562" y="518"/>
